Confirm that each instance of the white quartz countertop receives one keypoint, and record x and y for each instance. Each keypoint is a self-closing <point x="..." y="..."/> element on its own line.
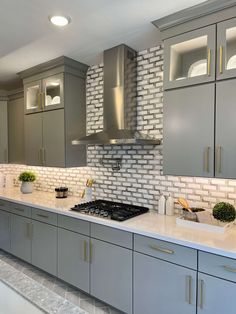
<point x="150" y="224"/>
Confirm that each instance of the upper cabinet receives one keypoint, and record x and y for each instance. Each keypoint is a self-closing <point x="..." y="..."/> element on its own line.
<point x="190" y="58"/>
<point x="226" y="49"/>
<point x="55" y="113"/>
<point x="45" y="94"/>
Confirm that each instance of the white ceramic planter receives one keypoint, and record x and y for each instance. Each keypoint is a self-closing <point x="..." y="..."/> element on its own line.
<point x="26" y="187"/>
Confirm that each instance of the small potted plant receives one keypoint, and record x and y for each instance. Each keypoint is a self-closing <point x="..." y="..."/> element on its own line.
<point x="224" y="212"/>
<point x="27" y="178"/>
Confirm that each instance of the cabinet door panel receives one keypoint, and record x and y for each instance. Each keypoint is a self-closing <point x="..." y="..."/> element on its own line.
<point x="226" y="48"/>
<point x="44" y="247"/>
<point x="190" y="58"/>
<point x="32" y="96"/>
<point x="111" y="275"/>
<point x="161" y="287"/>
<point x="73" y="263"/>
<point x="33" y="139"/>
<point x="188" y="146"/>
<point x="215" y="295"/>
<point x="53" y="92"/>
<point x="3" y="132"/>
<point x="225" y="129"/>
<point x="5" y="230"/>
<point x="54" y="138"/>
<point x="21" y="237"/>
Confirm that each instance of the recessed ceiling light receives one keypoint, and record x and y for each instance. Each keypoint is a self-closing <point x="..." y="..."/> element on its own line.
<point x="59" y="20"/>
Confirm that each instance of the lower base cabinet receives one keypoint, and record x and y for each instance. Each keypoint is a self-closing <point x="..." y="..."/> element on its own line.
<point x="73" y="258"/>
<point x="111" y="275"/>
<point x="215" y="295"/>
<point x="162" y="287"/>
<point x="44" y="246"/>
<point x="5" y="235"/>
<point x="21" y="237"/>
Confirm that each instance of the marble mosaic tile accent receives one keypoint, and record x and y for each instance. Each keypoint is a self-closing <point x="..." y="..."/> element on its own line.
<point x="140" y="180"/>
<point x="49" y="293"/>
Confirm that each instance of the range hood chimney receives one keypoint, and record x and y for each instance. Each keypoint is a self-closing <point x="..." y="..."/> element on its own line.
<point x="120" y="103"/>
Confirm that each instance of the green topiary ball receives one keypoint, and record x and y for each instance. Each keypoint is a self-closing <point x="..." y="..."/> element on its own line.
<point x="224" y="212"/>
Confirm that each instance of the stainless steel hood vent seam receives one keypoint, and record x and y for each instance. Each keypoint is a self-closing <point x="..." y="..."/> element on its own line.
<point x="120" y="101"/>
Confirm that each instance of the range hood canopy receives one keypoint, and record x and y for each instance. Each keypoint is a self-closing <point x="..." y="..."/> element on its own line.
<point x="120" y="103"/>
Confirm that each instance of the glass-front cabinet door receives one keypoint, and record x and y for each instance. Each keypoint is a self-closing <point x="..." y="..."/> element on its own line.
<point x="226" y="48"/>
<point x="190" y="58"/>
<point x="32" y="92"/>
<point x="52" y="94"/>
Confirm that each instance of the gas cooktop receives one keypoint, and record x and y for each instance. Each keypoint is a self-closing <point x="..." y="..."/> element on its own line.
<point x="110" y="210"/>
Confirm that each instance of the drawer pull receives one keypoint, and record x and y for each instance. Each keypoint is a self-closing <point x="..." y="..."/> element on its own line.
<point x="43" y="216"/>
<point x="209" y="62"/>
<point x="19" y="209"/>
<point x="90" y="252"/>
<point x="161" y="249"/>
<point x="189" y="289"/>
<point x="230" y="269"/>
<point x="201" y="288"/>
<point x="85" y="251"/>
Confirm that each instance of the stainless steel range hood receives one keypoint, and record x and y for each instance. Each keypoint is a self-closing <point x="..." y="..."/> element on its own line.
<point x="120" y="104"/>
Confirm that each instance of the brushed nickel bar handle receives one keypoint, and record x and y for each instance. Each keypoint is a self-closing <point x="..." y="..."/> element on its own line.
<point x="90" y="252"/>
<point x="161" y="249"/>
<point x="5" y="155"/>
<point x="229" y="268"/>
<point x="39" y="155"/>
<point x="189" y="289"/>
<point x="201" y="288"/>
<point x="28" y="230"/>
<point x="85" y="251"/>
<point x="221" y="59"/>
<point x="209" y="62"/>
<point x="43" y="216"/>
<point x="44" y="156"/>
<point x="19" y="209"/>
<point x="39" y="100"/>
<point x="206" y="159"/>
<point x="31" y="231"/>
<point x="218" y="159"/>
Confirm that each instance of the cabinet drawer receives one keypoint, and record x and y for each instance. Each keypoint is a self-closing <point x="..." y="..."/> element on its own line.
<point x="20" y="209"/>
<point x="73" y="224"/>
<point x="218" y="266"/>
<point x="4" y="205"/>
<point x="44" y="216"/>
<point x="167" y="251"/>
<point x="112" y="235"/>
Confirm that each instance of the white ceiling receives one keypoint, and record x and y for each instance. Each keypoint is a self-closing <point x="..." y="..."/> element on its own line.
<point x="27" y="38"/>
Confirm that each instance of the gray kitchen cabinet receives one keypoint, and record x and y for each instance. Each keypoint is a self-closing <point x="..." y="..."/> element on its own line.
<point x="188" y="145"/>
<point x="226" y="49"/>
<point x="215" y="295"/>
<point x="162" y="287"/>
<point x="55" y="94"/>
<point x="44" y="246"/>
<point x="16" y="129"/>
<point x="53" y="138"/>
<point x="5" y="230"/>
<point x="111" y="274"/>
<point x="21" y="232"/>
<point x="225" y="129"/>
<point x="73" y="258"/>
<point x="3" y="132"/>
<point x="190" y="58"/>
<point x="34" y="139"/>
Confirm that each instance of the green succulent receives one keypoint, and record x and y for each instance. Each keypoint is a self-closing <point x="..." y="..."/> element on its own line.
<point x="27" y="176"/>
<point x="224" y="212"/>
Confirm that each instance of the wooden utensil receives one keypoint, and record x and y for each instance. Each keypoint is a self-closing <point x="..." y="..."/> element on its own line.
<point x="184" y="203"/>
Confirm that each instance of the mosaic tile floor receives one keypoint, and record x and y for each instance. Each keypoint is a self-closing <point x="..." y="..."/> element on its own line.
<point x="65" y="298"/>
